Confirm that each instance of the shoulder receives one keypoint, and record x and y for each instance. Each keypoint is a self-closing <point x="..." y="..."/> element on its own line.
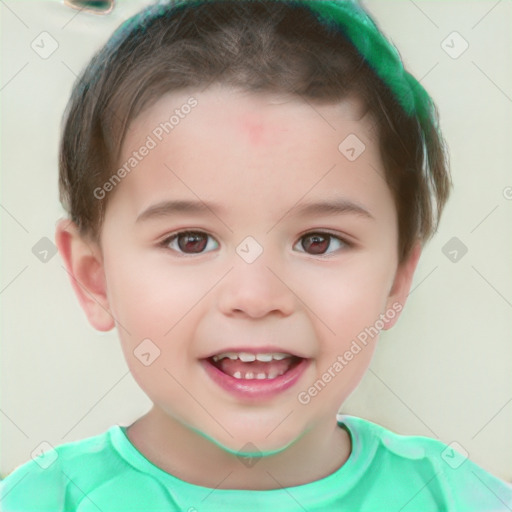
<point x="53" y="480"/>
<point x="447" y="470"/>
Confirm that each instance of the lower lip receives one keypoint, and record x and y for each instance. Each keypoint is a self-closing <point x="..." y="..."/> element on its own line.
<point x="256" y="388"/>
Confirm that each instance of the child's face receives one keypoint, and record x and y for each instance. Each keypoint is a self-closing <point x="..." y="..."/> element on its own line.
<point x="260" y="158"/>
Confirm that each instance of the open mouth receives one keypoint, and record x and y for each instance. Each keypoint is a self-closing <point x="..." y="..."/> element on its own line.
<point x="247" y="366"/>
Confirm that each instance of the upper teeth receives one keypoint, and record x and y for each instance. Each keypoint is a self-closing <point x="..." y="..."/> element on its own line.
<point x="246" y="357"/>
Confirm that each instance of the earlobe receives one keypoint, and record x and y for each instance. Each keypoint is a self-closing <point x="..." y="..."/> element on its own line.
<point x="402" y="285"/>
<point x="84" y="265"/>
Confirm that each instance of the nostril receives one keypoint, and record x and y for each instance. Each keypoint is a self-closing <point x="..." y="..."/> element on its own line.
<point x="94" y="6"/>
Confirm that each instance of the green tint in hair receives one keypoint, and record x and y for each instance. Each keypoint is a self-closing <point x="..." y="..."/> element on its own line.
<point x="354" y="22"/>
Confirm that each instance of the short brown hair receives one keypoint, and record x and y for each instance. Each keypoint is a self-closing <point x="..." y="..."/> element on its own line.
<point x="279" y="46"/>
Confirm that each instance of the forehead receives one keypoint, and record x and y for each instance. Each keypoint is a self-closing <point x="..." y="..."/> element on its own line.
<point x="246" y="149"/>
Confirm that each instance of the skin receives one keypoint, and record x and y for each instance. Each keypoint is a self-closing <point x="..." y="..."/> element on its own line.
<point x="259" y="156"/>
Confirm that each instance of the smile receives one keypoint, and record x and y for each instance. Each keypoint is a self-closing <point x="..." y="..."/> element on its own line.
<point x="244" y="365"/>
<point x="255" y="375"/>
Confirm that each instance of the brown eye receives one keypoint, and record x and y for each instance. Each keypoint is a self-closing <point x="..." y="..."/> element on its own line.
<point x="187" y="242"/>
<point x="318" y="243"/>
<point x="197" y="242"/>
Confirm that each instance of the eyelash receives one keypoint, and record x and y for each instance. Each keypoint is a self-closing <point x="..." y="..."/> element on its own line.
<point x="165" y="243"/>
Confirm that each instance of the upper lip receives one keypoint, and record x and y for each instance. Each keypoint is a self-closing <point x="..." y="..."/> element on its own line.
<point x="267" y="349"/>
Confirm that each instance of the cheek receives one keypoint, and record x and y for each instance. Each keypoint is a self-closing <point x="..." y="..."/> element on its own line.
<point x="156" y="306"/>
<point x="150" y="298"/>
<point x="347" y="299"/>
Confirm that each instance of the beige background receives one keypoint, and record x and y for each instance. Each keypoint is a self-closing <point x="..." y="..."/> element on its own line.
<point x="444" y="371"/>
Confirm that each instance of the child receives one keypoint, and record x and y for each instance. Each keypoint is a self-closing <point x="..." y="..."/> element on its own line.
<point x="246" y="129"/>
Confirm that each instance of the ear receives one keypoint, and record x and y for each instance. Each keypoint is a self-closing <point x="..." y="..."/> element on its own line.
<point x="402" y="285"/>
<point x="84" y="264"/>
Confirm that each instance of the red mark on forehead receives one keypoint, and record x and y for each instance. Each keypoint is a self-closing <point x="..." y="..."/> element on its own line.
<point x="254" y="128"/>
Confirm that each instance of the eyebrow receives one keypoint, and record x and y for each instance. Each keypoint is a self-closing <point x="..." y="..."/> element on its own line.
<point x="333" y="207"/>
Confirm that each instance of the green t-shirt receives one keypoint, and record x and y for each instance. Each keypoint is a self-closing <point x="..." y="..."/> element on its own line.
<point x="385" y="472"/>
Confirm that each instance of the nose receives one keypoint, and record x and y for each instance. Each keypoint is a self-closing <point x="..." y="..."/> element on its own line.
<point x="257" y="289"/>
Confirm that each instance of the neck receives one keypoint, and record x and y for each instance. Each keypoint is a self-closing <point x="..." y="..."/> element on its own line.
<point x="198" y="461"/>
